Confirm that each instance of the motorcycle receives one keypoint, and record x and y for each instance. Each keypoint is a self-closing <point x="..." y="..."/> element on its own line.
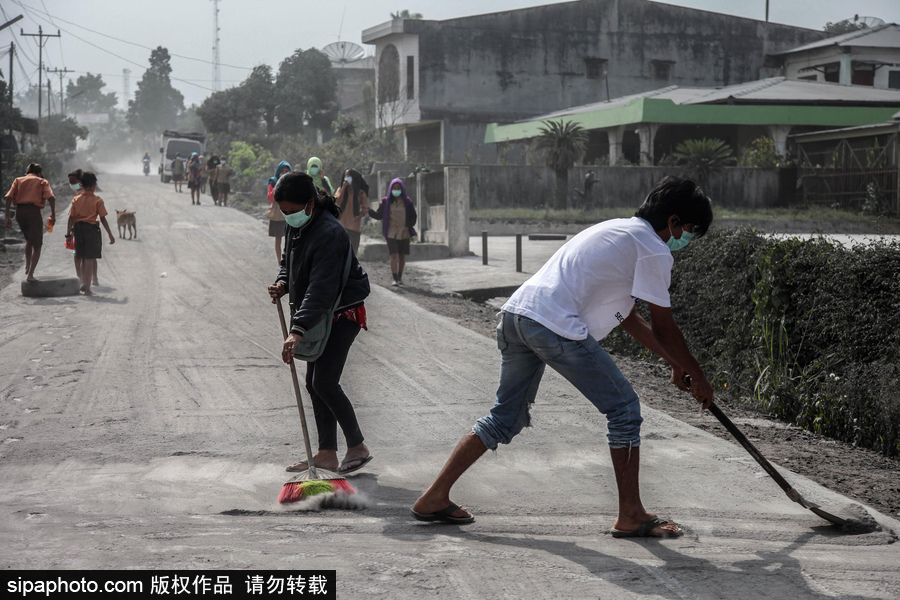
<point x="146" y="168"/>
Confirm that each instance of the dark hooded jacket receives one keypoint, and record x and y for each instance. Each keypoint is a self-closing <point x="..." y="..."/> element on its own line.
<point x="312" y="266"/>
<point x="385" y="215"/>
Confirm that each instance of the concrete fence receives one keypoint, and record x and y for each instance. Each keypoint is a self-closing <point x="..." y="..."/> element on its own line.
<point x="523" y="186"/>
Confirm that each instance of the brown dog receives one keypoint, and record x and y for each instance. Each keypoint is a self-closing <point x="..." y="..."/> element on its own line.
<point x="125" y="219"/>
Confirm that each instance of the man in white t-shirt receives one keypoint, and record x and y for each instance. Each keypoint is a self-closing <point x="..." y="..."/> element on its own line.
<point x="557" y="317"/>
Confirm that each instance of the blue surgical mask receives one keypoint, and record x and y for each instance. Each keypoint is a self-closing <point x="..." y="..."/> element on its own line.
<point x="396" y="193"/>
<point x="298" y="219"/>
<point x="314" y="170"/>
<point x="678" y="243"/>
<point x="75" y="186"/>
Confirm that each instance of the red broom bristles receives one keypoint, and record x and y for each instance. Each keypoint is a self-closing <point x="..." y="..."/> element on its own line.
<point x="303" y="490"/>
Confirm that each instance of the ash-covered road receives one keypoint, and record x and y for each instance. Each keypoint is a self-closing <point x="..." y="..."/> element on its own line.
<point x="148" y="428"/>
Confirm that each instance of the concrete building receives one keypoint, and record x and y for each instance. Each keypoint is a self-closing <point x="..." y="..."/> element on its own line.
<point x="441" y="82"/>
<point x="643" y="128"/>
<point x="352" y="77"/>
<point x="869" y="56"/>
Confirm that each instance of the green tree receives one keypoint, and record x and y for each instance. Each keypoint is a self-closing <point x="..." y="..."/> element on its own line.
<point x="244" y="107"/>
<point x="156" y="103"/>
<point x="305" y="92"/>
<point x="86" y="95"/>
<point x="563" y="143"/>
<point x="704" y="158"/>
<point x="405" y="14"/>
<point x="10" y="116"/>
<point x="60" y="135"/>
<point x="762" y="153"/>
<point x="259" y="96"/>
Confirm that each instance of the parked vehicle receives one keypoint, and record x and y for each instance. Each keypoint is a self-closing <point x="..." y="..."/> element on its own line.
<point x="176" y="142"/>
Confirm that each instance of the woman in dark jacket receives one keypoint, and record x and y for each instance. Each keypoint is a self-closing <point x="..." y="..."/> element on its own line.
<point x="397" y="215"/>
<point x="312" y="267"/>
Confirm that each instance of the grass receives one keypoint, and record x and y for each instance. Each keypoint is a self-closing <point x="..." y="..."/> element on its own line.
<point x="551" y="215"/>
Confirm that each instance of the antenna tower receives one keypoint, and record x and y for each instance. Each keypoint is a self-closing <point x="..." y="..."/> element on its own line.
<point x="217" y="70"/>
<point x="126" y="87"/>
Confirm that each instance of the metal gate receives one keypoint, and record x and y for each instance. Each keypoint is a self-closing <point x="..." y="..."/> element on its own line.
<point x="851" y="173"/>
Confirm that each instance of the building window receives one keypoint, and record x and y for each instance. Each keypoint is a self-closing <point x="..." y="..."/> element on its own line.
<point x="809" y="78"/>
<point x="863" y="75"/>
<point x="595" y="68"/>
<point x="833" y="72"/>
<point x="894" y="80"/>
<point x="662" y="70"/>
<point x="410" y="77"/>
<point x="389" y="75"/>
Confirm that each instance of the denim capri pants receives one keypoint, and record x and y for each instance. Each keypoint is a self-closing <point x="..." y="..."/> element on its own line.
<point x="525" y="347"/>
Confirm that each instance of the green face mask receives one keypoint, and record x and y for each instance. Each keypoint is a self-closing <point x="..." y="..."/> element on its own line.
<point x="314" y="171"/>
<point x="298" y="219"/>
<point x="396" y="193"/>
<point x="679" y="243"/>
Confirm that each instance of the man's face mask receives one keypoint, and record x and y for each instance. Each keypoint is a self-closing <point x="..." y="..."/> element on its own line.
<point x="679" y="243"/>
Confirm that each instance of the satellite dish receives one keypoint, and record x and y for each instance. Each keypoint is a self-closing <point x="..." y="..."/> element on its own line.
<point x="343" y="52"/>
<point x="864" y="21"/>
<point x="869" y="21"/>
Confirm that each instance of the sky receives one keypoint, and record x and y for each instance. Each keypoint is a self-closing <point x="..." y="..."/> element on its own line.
<point x="107" y="36"/>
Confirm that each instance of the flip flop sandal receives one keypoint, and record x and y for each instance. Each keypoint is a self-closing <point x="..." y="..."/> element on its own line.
<point x="344" y="471"/>
<point x="644" y="530"/>
<point x="443" y="516"/>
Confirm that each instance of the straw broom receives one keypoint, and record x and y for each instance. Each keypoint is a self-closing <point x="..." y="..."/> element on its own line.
<point x="307" y="483"/>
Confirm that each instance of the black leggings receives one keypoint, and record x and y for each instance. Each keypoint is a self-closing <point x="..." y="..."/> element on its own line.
<point x="323" y="382"/>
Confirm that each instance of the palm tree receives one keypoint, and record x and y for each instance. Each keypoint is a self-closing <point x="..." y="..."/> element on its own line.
<point x="564" y="142"/>
<point x="704" y="158"/>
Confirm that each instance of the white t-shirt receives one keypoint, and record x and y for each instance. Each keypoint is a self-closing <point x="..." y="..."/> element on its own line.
<point x="591" y="283"/>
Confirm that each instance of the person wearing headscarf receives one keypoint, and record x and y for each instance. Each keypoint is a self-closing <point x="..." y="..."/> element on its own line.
<point x="274" y="214"/>
<point x="397" y="215"/>
<point x="314" y="169"/>
<point x="353" y="200"/>
<point x="316" y="254"/>
<point x="194" y="169"/>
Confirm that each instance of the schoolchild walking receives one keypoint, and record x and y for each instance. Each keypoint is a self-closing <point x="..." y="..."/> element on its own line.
<point x="86" y="210"/>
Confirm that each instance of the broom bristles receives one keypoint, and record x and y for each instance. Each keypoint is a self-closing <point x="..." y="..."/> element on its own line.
<point x="303" y="490"/>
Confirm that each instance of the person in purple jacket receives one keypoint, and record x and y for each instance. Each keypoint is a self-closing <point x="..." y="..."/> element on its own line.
<point x="397" y="215"/>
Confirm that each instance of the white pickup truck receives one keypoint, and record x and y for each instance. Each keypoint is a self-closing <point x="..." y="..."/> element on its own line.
<point x="176" y="142"/>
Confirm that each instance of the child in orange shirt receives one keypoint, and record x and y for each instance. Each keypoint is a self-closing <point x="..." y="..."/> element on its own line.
<point x="86" y="209"/>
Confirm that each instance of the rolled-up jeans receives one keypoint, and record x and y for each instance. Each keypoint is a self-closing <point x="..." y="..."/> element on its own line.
<point x="525" y="347"/>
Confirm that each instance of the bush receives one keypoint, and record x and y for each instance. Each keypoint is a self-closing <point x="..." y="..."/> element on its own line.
<point x="803" y="330"/>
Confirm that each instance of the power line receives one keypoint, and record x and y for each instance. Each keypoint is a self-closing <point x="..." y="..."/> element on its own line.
<point x="41" y="35"/>
<point x="19" y="45"/>
<point x="120" y="57"/>
<point x="129" y="42"/>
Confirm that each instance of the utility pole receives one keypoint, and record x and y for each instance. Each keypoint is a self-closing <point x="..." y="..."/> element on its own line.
<point x="217" y="70"/>
<point x="40" y="35"/>
<point x="61" y="72"/>
<point x="12" y="51"/>
<point x="767" y="11"/>
<point x="48" y="98"/>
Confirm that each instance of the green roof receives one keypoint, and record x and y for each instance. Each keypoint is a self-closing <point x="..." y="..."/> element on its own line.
<point x="665" y="111"/>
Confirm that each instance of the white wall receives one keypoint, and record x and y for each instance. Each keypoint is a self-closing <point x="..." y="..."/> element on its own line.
<point x="820" y="56"/>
